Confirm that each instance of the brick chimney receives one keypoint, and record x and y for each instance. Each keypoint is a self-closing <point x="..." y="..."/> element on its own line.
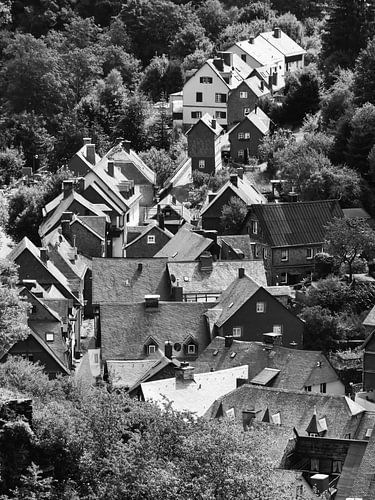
<point x="111" y="168"/>
<point x="240" y="172"/>
<point x="86" y="140"/>
<point x="213" y="123"/>
<point x="152" y="301"/>
<point x="211" y="196"/>
<point x="126" y="145"/>
<point x="29" y="284"/>
<point x="67" y="187"/>
<point x="80" y="185"/>
<point x="251" y="40"/>
<point x="277" y="32"/>
<point x="206" y="261"/>
<point x="168" y="349"/>
<point x="90" y="153"/>
<point x="184" y="372"/>
<point x="65" y="229"/>
<point x="43" y="255"/>
<point x="228" y="340"/>
<point x="234" y="179"/>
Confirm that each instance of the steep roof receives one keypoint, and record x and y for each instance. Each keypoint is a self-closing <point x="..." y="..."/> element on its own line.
<point x="245" y="190"/>
<point x="94" y="224"/>
<point x="196" y="395"/>
<point x="146" y="229"/>
<point x="284" y="43"/>
<point x="239" y="71"/>
<point x="238" y="243"/>
<point x="28" y="293"/>
<point x="26" y="244"/>
<point x="63" y="205"/>
<point x="258" y="118"/>
<point x="124" y="281"/>
<point x="298" y="368"/>
<point x="207" y="120"/>
<point x="126" y="328"/>
<point x="185" y="245"/>
<point x="254" y="84"/>
<point x="125" y="373"/>
<point x="264" y="53"/>
<point x="370" y="318"/>
<point x="193" y="280"/>
<point x="364" y="485"/>
<point x="302" y="223"/>
<point x="123" y="157"/>
<point x="295" y="408"/>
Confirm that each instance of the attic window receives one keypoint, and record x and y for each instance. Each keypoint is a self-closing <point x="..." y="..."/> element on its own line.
<point x="215" y="353"/>
<point x="276" y="418"/>
<point x="151" y="349"/>
<point x="230" y="413"/>
<point x="233" y="355"/>
<point x="368" y="433"/>
<point x="50" y="336"/>
<point x="191" y="349"/>
<point x="230" y="305"/>
<point x="243" y="95"/>
<point x="151" y="239"/>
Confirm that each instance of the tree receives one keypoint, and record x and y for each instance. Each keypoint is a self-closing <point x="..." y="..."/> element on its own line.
<point x="348" y="239"/>
<point x="233" y="215"/>
<point x="213" y="17"/>
<point x="362" y="138"/>
<point x="189" y="38"/>
<point x="320" y="328"/>
<point x="160" y="162"/>
<point x="338" y="100"/>
<point x="11" y="162"/>
<point x="132" y="124"/>
<point x="269" y="146"/>
<point x="291" y="26"/>
<point x="364" y="86"/>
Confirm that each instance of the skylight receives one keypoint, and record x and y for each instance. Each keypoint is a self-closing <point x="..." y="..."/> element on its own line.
<point x="230" y="305"/>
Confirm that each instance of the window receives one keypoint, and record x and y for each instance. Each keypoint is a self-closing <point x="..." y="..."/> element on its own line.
<point x="196" y="114"/>
<point x="240" y="153"/>
<point x="261" y="307"/>
<point x="33" y="310"/>
<point x="27" y="356"/>
<point x="276" y="418"/>
<point x="151" y="349"/>
<point x="199" y="96"/>
<point x="220" y="97"/>
<point x="314" y="461"/>
<point x="336" y="466"/>
<point x="323" y="387"/>
<point x="150" y="239"/>
<point x="254" y="226"/>
<point x="243" y="57"/>
<point x="220" y="114"/>
<point x="127" y="217"/>
<point x="309" y="253"/>
<point x="205" y="79"/>
<point x="191" y="349"/>
<point x="265" y="253"/>
<point x="284" y="278"/>
<point x="50" y="336"/>
<point x="96" y="358"/>
<point x="308" y="388"/>
<point x="241" y="135"/>
<point x="284" y="255"/>
<point x="247" y="135"/>
<point x="277" y="329"/>
<point x="246" y="111"/>
<point x="237" y="331"/>
<point x="256" y="251"/>
<point x="243" y="95"/>
<point x="202" y="163"/>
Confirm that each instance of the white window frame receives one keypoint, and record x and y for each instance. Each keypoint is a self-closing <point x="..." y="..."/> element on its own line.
<point x="284" y="255"/>
<point x="277" y="329"/>
<point x="205" y="79"/>
<point x="202" y="164"/>
<point x="254" y="226"/>
<point x="247" y="135"/>
<point x="240" y="153"/>
<point x="240" y="136"/>
<point x="220" y="98"/>
<point x="246" y="111"/>
<point x="237" y="332"/>
<point x="286" y="278"/>
<point x="151" y="239"/>
<point x="309" y="253"/>
<point x="196" y="114"/>
<point x="221" y="115"/>
<point x="243" y="95"/>
<point x="50" y="337"/>
<point x="191" y="349"/>
<point x="151" y="349"/>
<point x="260" y="307"/>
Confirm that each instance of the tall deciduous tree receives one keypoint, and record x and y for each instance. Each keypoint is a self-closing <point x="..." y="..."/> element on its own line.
<point x="233" y="215"/>
<point x="364" y="86"/>
<point x="348" y="239"/>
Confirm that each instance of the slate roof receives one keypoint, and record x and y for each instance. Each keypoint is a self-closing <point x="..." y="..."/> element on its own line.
<point x="264" y="53"/>
<point x="146" y="229"/>
<point x="298" y="368"/>
<point x="26" y="244"/>
<point x="239" y="71"/>
<point x="364" y="485"/>
<point x="95" y="224"/>
<point x="29" y="293"/>
<point x="245" y="190"/>
<point x="197" y="395"/>
<point x="286" y="45"/>
<point x="238" y="242"/>
<point x="223" y="273"/>
<point x="207" y="120"/>
<point x="125" y="374"/>
<point x="127" y="328"/>
<point x="185" y="245"/>
<point x="120" y="281"/>
<point x="63" y="205"/>
<point x="258" y="118"/>
<point x="370" y="318"/>
<point x="122" y="157"/>
<point x="285" y="224"/>
<point x="296" y="408"/>
<point x="253" y="82"/>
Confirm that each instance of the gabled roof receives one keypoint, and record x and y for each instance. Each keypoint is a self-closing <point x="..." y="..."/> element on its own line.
<point x="125" y="373"/>
<point x="182" y="176"/>
<point x="63" y="205"/>
<point x="264" y="53"/>
<point x="265" y="376"/>
<point x="302" y="223"/>
<point x="193" y="280"/>
<point x="369" y="319"/>
<point x="126" y="328"/>
<point x="284" y="44"/>
<point x="124" y="281"/>
<point x="296" y="408"/>
<point x="94" y="224"/>
<point x="123" y="157"/>
<point x="28" y="293"/>
<point x="194" y="396"/>
<point x="26" y="244"/>
<point x="185" y="245"/>
<point x="258" y="118"/>
<point x="146" y="229"/>
<point x="239" y="71"/>
<point x="253" y="83"/>
<point x="364" y="486"/>
<point x="156" y="368"/>
<point x="238" y="243"/>
<point x="298" y="368"/>
<point x="207" y="120"/>
<point x="245" y="190"/>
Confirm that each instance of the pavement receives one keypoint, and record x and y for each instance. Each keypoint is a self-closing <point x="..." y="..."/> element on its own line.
<point x="83" y="370"/>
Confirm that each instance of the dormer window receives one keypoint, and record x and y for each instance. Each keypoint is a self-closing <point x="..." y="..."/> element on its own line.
<point x="50" y="336"/>
<point x="151" y="239"/>
<point x="151" y="349"/>
<point x="191" y="349"/>
<point x="151" y="346"/>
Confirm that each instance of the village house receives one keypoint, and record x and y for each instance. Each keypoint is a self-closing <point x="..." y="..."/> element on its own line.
<point x="207" y="90"/>
<point x="293" y="53"/>
<point x="247" y="311"/>
<point x="146" y="241"/>
<point x="235" y="247"/>
<point x="170" y="213"/>
<point x="87" y="233"/>
<point x="246" y="135"/>
<point x="84" y="159"/>
<point x="289" y="235"/>
<point x="245" y="98"/>
<point x="238" y="187"/>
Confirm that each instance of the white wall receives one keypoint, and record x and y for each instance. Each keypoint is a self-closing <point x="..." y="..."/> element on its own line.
<point x="336" y="387"/>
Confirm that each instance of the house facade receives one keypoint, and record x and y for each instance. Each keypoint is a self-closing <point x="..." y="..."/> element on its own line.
<point x="244" y="99"/>
<point x="146" y="241"/>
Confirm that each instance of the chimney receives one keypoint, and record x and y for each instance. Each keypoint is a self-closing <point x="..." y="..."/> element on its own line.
<point x="206" y="261"/>
<point x="29" y="284"/>
<point x="152" y="301"/>
<point x="43" y="254"/>
<point x="262" y="85"/>
<point x="228" y="339"/>
<point x="240" y="172"/>
<point x="218" y="63"/>
<point x="86" y="140"/>
<point x="293" y="345"/>
<point x="139" y="267"/>
<point x="126" y="145"/>
<point x="80" y="185"/>
<point x="168" y="349"/>
<point x="65" y="229"/>
<point x="177" y="293"/>
<point x="234" y="179"/>
<point x="111" y="168"/>
<point x="271" y="339"/>
<point x="67" y="216"/>
<point x="227" y="58"/>
<point x="211" y="196"/>
<point x="184" y="372"/>
<point x="251" y="40"/>
<point x="213" y="123"/>
<point x="161" y="220"/>
<point x="277" y="32"/>
<point x="67" y="188"/>
<point x="241" y="272"/>
<point x="293" y="196"/>
<point x="270" y="81"/>
<point x="320" y="482"/>
<point x="90" y="153"/>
